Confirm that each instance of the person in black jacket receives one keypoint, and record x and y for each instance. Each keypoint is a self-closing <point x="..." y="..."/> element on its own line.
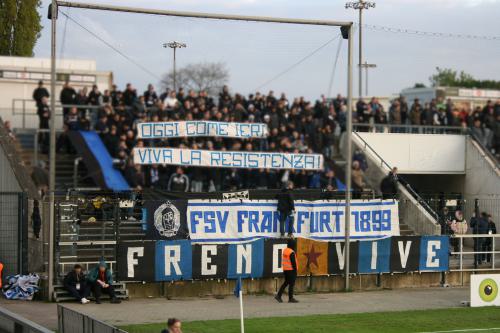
<point x="488" y="241"/>
<point x="75" y="283"/>
<point x="289" y="263"/>
<point x="36" y="219"/>
<point x="67" y="97"/>
<point x="286" y="208"/>
<point x="479" y="226"/>
<point x="40" y="93"/>
<point x="389" y="185"/>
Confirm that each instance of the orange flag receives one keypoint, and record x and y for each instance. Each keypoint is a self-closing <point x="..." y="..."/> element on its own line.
<point x="312" y="257"/>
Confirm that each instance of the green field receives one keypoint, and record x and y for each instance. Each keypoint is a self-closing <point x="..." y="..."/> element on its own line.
<point x="463" y="319"/>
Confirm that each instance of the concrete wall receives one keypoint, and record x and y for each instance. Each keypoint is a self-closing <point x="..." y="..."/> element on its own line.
<point x="8" y="179"/>
<point x="410" y="211"/>
<point x="332" y="283"/>
<point x="482" y="181"/>
<point x="420" y="153"/>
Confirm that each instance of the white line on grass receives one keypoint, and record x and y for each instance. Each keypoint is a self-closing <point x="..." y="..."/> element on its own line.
<point x="467" y="330"/>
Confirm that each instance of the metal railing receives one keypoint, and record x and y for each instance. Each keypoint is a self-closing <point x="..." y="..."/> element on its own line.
<point x="67" y="266"/>
<point x="492" y="159"/>
<point x="14" y="323"/>
<point x="36" y="142"/>
<point x="408" y="129"/>
<point x="71" y="321"/>
<point x="26" y="109"/>
<point x="473" y="249"/>
<point x="76" y="164"/>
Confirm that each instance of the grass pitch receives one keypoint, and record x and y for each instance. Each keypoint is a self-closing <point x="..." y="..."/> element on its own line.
<point x="442" y="320"/>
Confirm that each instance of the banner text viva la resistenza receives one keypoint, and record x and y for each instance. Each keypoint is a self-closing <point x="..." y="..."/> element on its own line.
<point x="227" y="159"/>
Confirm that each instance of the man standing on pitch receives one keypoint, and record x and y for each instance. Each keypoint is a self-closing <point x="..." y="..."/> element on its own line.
<point x="289" y="263"/>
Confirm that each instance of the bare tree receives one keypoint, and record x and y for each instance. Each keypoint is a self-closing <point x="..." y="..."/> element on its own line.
<point x="201" y="76"/>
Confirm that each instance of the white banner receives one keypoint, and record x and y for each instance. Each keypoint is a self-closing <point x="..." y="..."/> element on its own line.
<point x="227" y="159"/>
<point x="175" y="129"/>
<point x="241" y="195"/>
<point x="484" y="290"/>
<point x="226" y="222"/>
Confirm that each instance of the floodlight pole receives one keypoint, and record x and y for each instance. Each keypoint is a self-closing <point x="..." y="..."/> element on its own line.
<point x="360" y="5"/>
<point x="174" y="45"/>
<point x="348" y="158"/>
<point x="52" y="149"/>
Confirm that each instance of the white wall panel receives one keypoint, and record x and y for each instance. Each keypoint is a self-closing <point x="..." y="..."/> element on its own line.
<point x="420" y="153"/>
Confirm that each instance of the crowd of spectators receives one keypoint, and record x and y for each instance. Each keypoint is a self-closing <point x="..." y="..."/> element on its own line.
<point x="483" y="122"/>
<point x="294" y="125"/>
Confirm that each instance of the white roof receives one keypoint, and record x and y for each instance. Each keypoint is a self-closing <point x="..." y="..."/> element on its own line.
<point x="44" y="63"/>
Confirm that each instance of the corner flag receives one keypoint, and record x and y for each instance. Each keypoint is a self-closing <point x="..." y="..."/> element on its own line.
<point x="238" y="292"/>
<point x="237" y="288"/>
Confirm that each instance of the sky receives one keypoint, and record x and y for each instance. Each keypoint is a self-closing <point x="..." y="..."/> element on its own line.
<point x="256" y="53"/>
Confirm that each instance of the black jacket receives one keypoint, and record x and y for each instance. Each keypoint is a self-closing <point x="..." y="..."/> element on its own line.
<point x="285" y="202"/>
<point x="294" y="261"/>
<point x="492" y="227"/>
<point x="479" y="226"/>
<point x="71" y="279"/>
<point x="40" y="93"/>
<point x="37" y="221"/>
<point x="67" y="95"/>
<point x="389" y="186"/>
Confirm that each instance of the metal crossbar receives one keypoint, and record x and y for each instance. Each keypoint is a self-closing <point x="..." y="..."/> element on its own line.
<point x="203" y="15"/>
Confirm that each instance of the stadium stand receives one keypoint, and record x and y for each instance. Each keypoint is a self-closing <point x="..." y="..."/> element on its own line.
<point x="295" y="126"/>
<point x="110" y="118"/>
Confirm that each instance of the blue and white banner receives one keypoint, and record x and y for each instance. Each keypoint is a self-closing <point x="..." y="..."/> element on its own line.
<point x="227" y="159"/>
<point x="176" y="129"/>
<point x="233" y="222"/>
<point x="184" y="260"/>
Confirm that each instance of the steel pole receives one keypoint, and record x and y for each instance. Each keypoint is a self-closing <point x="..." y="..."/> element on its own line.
<point x="348" y="157"/>
<point x="366" y="79"/>
<point x="360" y="61"/>
<point x="175" y="78"/>
<point x="52" y="150"/>
<point x="202" y="15"/>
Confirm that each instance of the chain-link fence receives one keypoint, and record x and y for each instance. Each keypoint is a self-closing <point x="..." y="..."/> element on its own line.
<point x="13" y="233"/>
<point x="88" y="229"/>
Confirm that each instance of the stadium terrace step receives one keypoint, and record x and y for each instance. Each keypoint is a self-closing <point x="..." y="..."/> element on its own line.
<point x="61" y="295"/>
<point x="64" y="162"/>
<point x="404" y="230"/>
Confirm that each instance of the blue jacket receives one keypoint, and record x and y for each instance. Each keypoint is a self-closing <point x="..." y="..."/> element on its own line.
<point x="93" y="274"/>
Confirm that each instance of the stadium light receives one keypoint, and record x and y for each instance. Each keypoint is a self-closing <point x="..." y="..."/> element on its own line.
<point x="174" y="45"/>
<point x="360" y="5"/>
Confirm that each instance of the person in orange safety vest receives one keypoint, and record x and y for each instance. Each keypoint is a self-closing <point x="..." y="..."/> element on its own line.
<point x="289" y="263"/>
<point x="1" y="269"/>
